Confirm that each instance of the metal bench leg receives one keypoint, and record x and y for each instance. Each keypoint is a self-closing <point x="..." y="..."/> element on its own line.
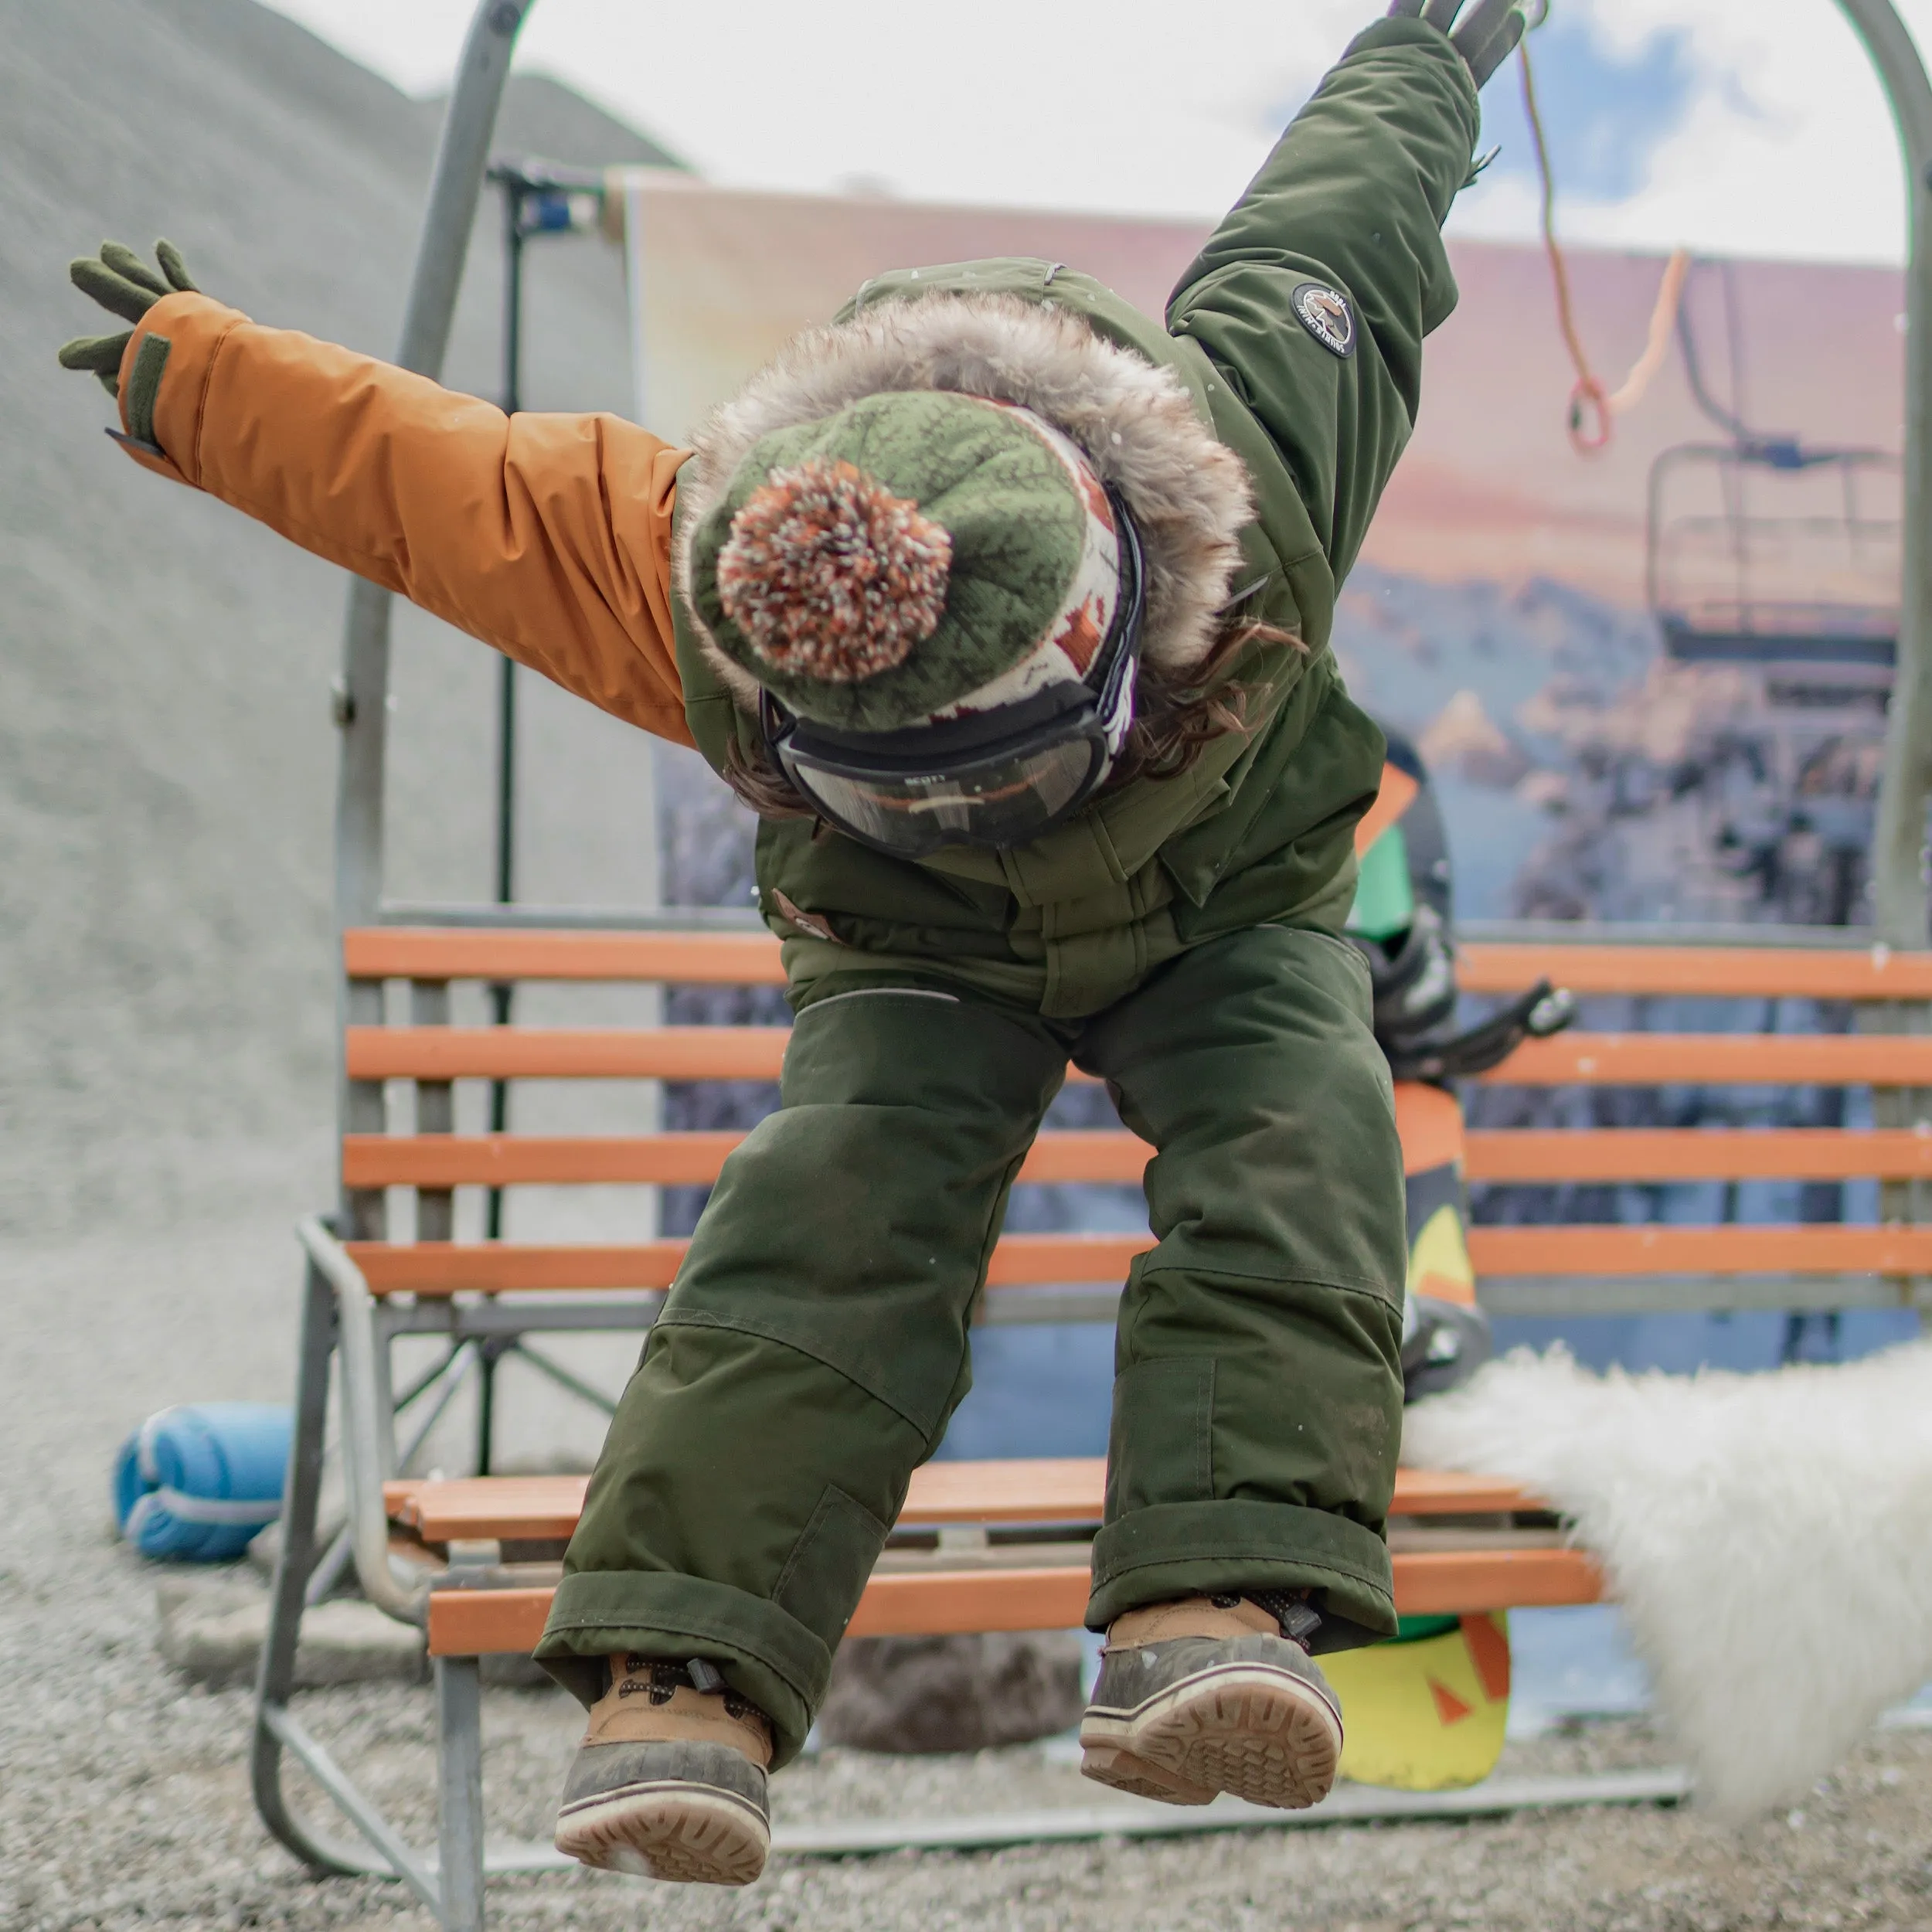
<point x="275" y="1680"/>
<point x="459" y="1726"/>
<point x="276" y="1730"/>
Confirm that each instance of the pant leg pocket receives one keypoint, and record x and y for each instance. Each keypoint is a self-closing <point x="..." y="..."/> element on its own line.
<point x="829" y="1565"/>
<point x="1161" y="1448"/>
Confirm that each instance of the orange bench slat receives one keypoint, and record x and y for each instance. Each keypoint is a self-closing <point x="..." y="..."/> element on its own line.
<point x="486" y="1623"/>
<point x="1698" y="1153"/>
<point x="445" y="953"/>
<point x="546" y="1508"/>
<point x="1459" y="1581"/>
<point x="534" y="1509"/>
<point x="752" y="959"/>
<point x="1046" y="1489"/>
<point x="1535" y="1154"/>
<point x="496" y="1267"/>
<point x="1042" y="1260"/>
<point x="479" y="1623"/>
<point x="1069" y="1489"/>
<point x="502" y="1160"/>
<point x="574" y="1053"/>
<point x="565" y="1053"/>
<point x="1745" y="1060"/>
<point x="1730" y="972"/>
<point x="1625" y="1250"/>
<point x="758" y="1053"/>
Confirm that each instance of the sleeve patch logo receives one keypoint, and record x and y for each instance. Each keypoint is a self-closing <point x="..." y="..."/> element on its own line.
<point x="1325" y="313"/>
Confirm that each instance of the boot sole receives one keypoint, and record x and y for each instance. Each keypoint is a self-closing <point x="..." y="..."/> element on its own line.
<point x="1261" y="1734"/>
<point x="1113" y="1764"/>
<point x="685" y="1834"/>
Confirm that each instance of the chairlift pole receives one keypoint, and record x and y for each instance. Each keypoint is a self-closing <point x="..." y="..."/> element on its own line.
<point x="1899" y="881"/>
<point x="512" y="402"/>
<point x="539" y="199"/>
<point x="455" y="187"/>
<point x="502" y="994"/>
<point x="361" y="698"/>
<point x="505" y="854"/>
<point x="1898" y="858"/>
<point x="362" y="694"/>
<point x="536" y="201"/>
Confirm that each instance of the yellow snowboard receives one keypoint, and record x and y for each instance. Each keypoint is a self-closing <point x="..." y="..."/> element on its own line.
<point x="1426" y="1713"/>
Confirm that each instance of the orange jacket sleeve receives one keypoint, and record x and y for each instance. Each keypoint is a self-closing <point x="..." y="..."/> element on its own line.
<point x="546" y="536"/>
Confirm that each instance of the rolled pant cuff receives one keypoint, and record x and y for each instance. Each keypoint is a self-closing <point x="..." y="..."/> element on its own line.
<point x="763" y="1653"/>
<point x="1199" y="1549"/>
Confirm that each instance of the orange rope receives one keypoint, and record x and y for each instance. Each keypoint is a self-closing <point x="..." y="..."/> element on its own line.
<point x="1592" y="408"/>
<point x="1663" y="325"/>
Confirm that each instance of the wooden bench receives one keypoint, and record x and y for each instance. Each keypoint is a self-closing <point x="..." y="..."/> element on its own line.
<point x="474" y="1561"/>
<point x="1460" y="1545"/>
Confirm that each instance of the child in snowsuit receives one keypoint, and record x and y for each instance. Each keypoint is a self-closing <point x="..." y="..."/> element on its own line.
<point x="1008" y="608"/>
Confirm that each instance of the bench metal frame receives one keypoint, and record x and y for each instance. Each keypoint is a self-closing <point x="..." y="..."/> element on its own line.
<point x="343" y="1323"/>
<point x="349" y="1328"/>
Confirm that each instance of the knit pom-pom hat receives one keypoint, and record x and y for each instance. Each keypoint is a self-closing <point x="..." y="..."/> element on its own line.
<point x="918" y="554"/>
<point x="829" y="575"/>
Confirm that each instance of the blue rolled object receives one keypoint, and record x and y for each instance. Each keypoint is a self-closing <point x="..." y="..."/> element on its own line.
<point x="196" y="1482"/>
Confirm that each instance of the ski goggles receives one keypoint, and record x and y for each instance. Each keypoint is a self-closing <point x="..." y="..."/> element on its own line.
<point x="1000" y="777"/>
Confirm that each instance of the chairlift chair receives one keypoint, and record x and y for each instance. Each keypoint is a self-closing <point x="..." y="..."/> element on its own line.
<point x="1765" y="553"/>
<point x="1770" y="556"/>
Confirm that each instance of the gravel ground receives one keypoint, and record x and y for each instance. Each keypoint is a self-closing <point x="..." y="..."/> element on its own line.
<point x="124" y="1798"/>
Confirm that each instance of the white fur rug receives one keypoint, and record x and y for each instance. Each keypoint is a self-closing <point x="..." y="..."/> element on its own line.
<point x="1769" y="1537"/>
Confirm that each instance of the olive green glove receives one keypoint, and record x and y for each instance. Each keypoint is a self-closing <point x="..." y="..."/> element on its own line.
<point x="123" y="284"/>
<point x="1486" y="37"/>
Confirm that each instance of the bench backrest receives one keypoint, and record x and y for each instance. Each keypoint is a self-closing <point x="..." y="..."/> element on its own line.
<point x="1795" y="1264"/>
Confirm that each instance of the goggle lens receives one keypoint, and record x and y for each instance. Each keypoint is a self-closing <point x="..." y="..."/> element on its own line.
<point x="1006" y="804"/>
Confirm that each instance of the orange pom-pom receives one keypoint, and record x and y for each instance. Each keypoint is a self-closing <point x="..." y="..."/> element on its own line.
<point x="830" y="576"/>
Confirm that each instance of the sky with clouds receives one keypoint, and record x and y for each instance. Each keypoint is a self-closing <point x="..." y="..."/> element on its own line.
<point x="1746" y="127"/>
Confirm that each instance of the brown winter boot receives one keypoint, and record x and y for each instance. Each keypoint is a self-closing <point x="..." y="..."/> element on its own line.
<point x="669" y="1782"/>
<point x="1210" y="1694"/>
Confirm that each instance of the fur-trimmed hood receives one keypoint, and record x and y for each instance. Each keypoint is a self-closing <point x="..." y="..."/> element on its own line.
<point x="1189" y="494"/>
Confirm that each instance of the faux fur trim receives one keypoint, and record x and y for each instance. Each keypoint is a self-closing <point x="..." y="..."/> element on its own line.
<point x="1189" y="493"/>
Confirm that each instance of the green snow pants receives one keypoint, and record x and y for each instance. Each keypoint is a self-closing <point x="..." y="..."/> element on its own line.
<point x="816" y="1340"/>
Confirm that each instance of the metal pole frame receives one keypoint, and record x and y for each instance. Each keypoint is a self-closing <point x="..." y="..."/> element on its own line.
<point x="1899" y="853"/>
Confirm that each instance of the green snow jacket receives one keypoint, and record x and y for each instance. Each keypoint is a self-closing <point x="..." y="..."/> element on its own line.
<point x="1260" y="829"/>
